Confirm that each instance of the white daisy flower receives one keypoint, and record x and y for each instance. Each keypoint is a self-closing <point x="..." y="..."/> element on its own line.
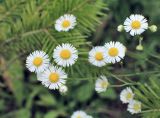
<point x="97" y="56"/>
<point x="65" y="55"/>
<point x="65" y="23"/>
<point x="115" y="52"/>
<point x="136" y="24"/>
<point x="79" y="114"/>
<point x="134" y="107"/>
<point x="101" y="84"/>
<point x="126" y="95"/>
<point x="37" y="61"/>
<point x="63" y="89"/>
<point x="53" y="77"/>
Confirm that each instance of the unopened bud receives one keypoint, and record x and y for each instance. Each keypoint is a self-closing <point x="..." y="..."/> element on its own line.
<point x="139" y="47"/>
<point x="153" y="28"/>
<point x="63" y="89"/>
<point x="120" y="28"/>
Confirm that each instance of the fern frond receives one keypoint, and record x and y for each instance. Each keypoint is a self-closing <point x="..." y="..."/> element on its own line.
<point x="34" y="27"/>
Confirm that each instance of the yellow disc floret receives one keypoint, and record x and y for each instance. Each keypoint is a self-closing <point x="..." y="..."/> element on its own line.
<point x="129" y="96"/>
<point x="65" y="54"/>
<point x="136" y="24"/>
<point x="66" y="23"/>
<point x="104" y="84"/>
<point x="38" y="61"/>
<point x="113" y="52"/>
<point x="99" y="56"/>
<point x="137" y="107"/>
<point x="54" y="77"/>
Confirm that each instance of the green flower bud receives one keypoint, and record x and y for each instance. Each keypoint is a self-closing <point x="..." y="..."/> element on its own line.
<point x="153" y="28"/>
<point x="139" y="47"/>
<point x="120" y="28"/>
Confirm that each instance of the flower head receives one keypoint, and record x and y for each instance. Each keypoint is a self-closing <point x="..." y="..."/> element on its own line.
<point x="126" y="95"/>
<point x="65" y="23"/>
<point x="37" y="61"/>
<point x="79" y="114"/>
<point x="101" y="84"/>
<point x="63" y="89"/>
<point x="97" y="56"/>
<point x="134" y="107"/>
<point x="115" y="52"/>
<point x="53" y="77"/>
<point x="65" y="55"/>
<point x="136" y="24"/>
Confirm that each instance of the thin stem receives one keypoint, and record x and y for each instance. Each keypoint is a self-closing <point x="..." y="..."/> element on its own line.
<point x="23" y="35"/>
<point x="122" y="85"/>
<point x="79" y="6"/>
<point x="137" y="73"/>
<point x="79" y="79"/>
<point x="116" y="77"/>
<point x="153" y="63"/>
<point x="155" y="56"/>
<point x="151" y="110"/>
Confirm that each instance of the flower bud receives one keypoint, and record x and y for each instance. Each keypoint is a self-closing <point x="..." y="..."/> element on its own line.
<point x="120" y="28"/>
<point x="153" y="28"/>
<point x="139" y="47"/>
<point x="63" y="89"/>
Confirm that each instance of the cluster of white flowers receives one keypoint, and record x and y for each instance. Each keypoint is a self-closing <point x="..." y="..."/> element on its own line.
<point x="80" y="114"/>
<point x="127" y="96"/>
<point x="111" y="52"/>
<point x="66" y="55"/>
<point x="51" y="76"/>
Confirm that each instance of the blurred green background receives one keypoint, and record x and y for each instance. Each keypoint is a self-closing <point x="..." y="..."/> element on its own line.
<point x="21" y="96"/>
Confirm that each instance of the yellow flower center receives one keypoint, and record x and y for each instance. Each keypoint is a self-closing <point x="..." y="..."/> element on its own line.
<point x="38" y="61"/>
<point x="66" y="23"/>
<point x="54" y="77"/>
<point x="137" y="107"/>
<point x="99" y="56"/>
<point x="104" y="84"/>
<point x="136" y="24"/>
<point x="129" y="96"/>
<point x="113" y="52"/>
<point x="65" y="54"/>
<point x="79" y="116"/>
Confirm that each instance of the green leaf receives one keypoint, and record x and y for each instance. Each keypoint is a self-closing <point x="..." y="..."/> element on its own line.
<point x="110" y="94"/>
<point x="52" y="114"/>
<point x="84" y="92"/>
<point x="47" y="100"/>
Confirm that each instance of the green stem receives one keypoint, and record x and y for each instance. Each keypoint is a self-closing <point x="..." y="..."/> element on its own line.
<point x="79" y="79"/>
<point x="137" y="73"/>
<point x="116" y="77"/>
<point x="122" y="85"/>
<point x="155" y="56"/>
<point x="23" y="35"/>
<point x="152" y="110"/>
